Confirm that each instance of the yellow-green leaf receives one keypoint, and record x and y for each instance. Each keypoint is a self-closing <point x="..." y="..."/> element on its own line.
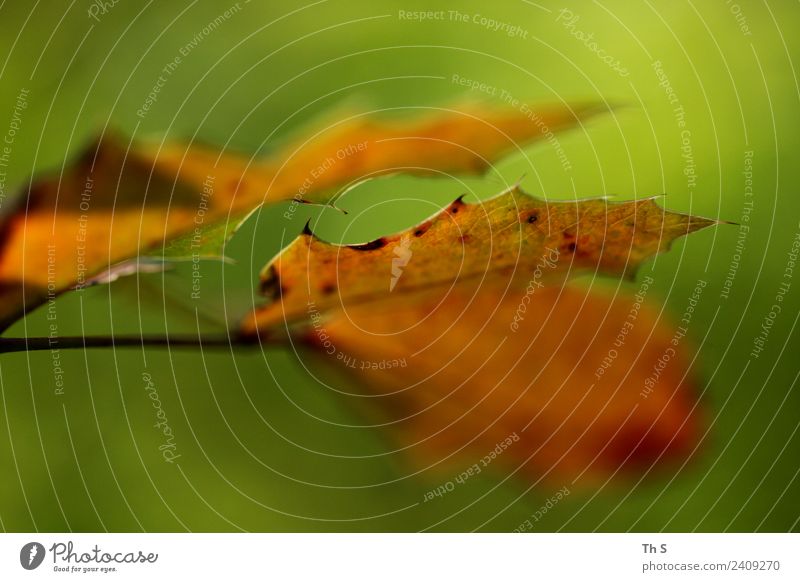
<point x="513" y="236"/>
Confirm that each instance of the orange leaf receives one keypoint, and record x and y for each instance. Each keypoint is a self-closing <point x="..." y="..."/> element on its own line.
<point x="584" y="384"/>
<point x="511" y="236"/>
<point x="119" y="201"/>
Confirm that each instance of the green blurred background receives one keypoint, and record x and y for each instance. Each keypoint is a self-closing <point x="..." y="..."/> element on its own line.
<point x="264" y="445"/>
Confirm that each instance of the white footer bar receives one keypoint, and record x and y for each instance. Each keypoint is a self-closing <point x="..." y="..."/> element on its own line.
<point x="401" y="557"/>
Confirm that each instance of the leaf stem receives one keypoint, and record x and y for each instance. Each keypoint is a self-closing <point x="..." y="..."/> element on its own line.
<point x="30" y="344"/>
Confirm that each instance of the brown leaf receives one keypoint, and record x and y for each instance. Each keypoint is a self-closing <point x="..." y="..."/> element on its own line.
<point x="572" y="377"/>
<point x="511" y="236"/>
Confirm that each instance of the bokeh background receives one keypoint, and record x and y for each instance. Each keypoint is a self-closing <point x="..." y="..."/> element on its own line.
<point x="266" y="447"/>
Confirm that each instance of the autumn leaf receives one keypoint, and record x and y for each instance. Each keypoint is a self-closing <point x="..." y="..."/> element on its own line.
<point x="121" y="200"/>
<point x="454" y="284"/>
<point x="461" y="327"/>
<point x="510" y="236"/>
<point x="572" y="376"/>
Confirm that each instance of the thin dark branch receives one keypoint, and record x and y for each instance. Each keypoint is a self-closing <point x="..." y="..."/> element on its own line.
<point x="14" y="344"/>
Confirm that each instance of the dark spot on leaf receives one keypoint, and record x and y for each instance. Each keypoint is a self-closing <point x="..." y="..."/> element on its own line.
<point x="378" y="243"/>
<point x="271" y="287"/>
<point x="329" y="289"/>
<point x="533" y="217"/>
<point x="457" y="203"/>
<point x="422" y="229"/>
<point x="571" y="247"/>
<point x="465" y="238"/>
